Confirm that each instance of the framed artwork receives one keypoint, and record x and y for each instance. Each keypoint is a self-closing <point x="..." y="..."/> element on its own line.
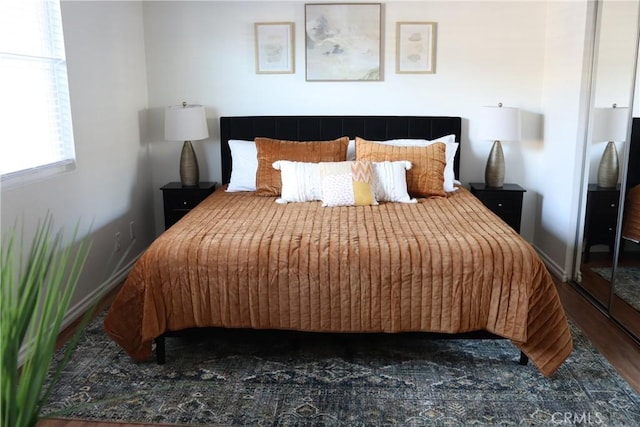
<point x="343" y="42"/>
<point x="274" y="48"/>
<point x="416" y="47"/>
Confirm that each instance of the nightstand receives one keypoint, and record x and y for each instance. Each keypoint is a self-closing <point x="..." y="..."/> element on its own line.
<point x="505" y="201"/>
<point x="601" y="218"/>
<point x="179" y="200"/>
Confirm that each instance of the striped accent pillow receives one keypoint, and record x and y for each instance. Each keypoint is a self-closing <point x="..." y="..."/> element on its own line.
<point x="268" y="182"/>
<point x="426" y="176"/>
<point x="347" y="183"/>
<point x="300" y="181"/>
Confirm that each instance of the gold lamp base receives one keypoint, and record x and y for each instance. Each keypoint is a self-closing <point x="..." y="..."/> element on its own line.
<point x="189" y="172"/>
<point x="609" y="170"/>
<point x="494" y="171"/>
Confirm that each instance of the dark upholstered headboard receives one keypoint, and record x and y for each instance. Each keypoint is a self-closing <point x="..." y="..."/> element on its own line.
<point x="633" y="168"/>
<point x="319" y="128"/>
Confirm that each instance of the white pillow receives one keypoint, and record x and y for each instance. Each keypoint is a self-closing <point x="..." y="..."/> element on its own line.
<point x="244" y="158"/>
<point x="450" y="153"/>
<point x="390" y="181"/>
<point x="300" y="181"/>
<point x="419" y="142"/>
<point x="449" y="173"/>
<point x="351" y="150"/>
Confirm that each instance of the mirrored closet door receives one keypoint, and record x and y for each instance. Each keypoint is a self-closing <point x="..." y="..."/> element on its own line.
<point x="625" y="299"/>
<point x="608" y="267"/>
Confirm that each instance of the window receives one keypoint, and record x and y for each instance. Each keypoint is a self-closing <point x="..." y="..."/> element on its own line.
<point x="35" y="115"/>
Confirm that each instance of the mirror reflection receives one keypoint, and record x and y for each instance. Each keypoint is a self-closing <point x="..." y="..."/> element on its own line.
<point x="610" y="260"/>
<point x="625" y="301"/>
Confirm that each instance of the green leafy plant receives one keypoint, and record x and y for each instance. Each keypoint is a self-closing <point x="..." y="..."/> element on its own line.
<point x="37" y="284"/>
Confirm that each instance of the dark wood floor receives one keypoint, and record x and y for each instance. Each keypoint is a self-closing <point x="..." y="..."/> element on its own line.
<point x="610" y="340"/>
<point x="622" y="351"/>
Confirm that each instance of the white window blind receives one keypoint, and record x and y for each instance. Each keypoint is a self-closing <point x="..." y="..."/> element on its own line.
<point x="35" y="115"/>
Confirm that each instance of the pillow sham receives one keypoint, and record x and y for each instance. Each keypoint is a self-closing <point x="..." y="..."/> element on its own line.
<point x="347" y="183"/>
<point x="300" y="181"/>
<point x="451" y="149"/>
<point x="268" y="182"/>
<point x="244" y="164"/>
<point x="447" y="139"/>
<point x="425" y="178"/>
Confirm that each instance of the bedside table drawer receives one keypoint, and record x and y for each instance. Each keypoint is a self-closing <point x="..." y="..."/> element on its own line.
<point x="506" y="202"/>
<point x="184" y="200"/>
<point x="603" y="227"/>
<point x="601" y="219"/>
<point x="179" y="200"/>
<point x="605" y="207"/>
<point x="502" y="204"/>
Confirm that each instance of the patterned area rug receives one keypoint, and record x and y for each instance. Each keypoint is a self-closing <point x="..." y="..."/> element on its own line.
<point x="259" y="378"/>
<point x="627" y="283"/>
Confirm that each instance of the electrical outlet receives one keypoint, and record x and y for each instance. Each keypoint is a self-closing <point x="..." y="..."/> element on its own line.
<point x="118" y="244"/>
<point x="132" y="233"/>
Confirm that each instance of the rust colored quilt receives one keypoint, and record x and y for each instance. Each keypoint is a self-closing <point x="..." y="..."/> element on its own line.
<point x="445" y="264"/>
<point x="631" y="219"/>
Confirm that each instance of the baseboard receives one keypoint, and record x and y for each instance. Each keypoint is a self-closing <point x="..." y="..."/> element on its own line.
<point x="552" y="266"/>
<point x="80" y="308"/>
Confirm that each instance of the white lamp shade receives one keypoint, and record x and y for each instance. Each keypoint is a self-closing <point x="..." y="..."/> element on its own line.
<point x="500" y="124"/>
<point x="185" y="123"/>
<point x="610" y="124"/>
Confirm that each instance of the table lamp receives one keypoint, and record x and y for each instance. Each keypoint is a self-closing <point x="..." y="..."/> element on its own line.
<point x="498" y="124"/>
<point x="186" y="123"/>
<point x="610" y="124"/>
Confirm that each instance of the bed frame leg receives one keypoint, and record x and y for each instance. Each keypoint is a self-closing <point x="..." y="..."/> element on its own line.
<point x="523" y="359"/>
<point x="160" y="350"/>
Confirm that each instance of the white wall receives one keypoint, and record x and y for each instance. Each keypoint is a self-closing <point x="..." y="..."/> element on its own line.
<point x="524" y="54"/>
<point x="110" y="185"/>
<point x="555" y="158"/>
<point x="203" y="52"/>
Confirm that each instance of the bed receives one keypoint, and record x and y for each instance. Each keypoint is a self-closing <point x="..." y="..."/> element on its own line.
<point x="631" y="217"/>
<point x="439" y="264"/>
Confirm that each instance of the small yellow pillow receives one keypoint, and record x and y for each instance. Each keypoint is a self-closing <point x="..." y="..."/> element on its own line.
<point x="425" y="178"/>
<point x="347" y="183"/>
<point x="268" y="181"/>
